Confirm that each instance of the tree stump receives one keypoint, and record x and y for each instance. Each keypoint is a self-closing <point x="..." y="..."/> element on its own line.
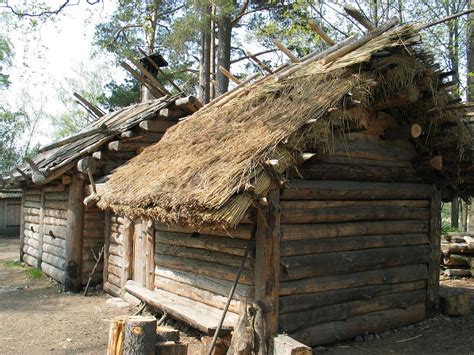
<point x="140" y="335"/>
<point x="164" y="333"/>
<point x="115" y="344"/>
<point x="454" y="302"/>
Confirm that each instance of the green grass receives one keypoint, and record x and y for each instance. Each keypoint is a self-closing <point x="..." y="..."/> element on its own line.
<point x="34" y="273"/>
<point x="12" y="264"/>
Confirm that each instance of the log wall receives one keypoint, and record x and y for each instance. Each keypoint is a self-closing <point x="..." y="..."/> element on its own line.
<point x="10" y="216"/>
<point x="93" y="240"/>
<point x="31" y="215"/>
<point x="203" y="265"/>
<point x="114" y="255"/>
<point x="355" y="244"/>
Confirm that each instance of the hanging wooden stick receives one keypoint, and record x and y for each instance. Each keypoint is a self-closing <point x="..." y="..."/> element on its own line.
<point x="286" y="51"/>
<point x="444" y="19"/>
<point x="359" y="17"/>
<point x="319" y="31"/>
<point x="229" y="75"/>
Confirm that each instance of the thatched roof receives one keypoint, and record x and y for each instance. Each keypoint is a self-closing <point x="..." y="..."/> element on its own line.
<point x="61" y="156"/>
<point x="208" y="169"/>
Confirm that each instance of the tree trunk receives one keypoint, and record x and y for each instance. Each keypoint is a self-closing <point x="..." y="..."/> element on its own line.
<point x="205" y="60"/>
<point x="455" y="213"/>
<point x="223" y="51"/>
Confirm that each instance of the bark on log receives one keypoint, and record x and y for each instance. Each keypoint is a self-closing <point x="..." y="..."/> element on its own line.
<point x="241" y="231"/>
<point x="358" y="279"/>
<point x="369" y="323"/>
<point x="295" y="204"/>
<point x="140" y="335"/>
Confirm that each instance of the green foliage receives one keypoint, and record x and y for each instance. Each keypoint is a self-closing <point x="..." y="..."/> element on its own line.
<point x="34" y="274"/>
<point x="5" y="60"/>
<point x="11" y="264"/>
<point x="12" y="127"/>
<point x="120" y="95"/>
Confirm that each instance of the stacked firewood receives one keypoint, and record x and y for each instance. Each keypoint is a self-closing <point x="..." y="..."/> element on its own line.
<point x="458" y="254"/>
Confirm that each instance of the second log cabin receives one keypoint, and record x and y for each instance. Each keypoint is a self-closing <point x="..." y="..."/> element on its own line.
<point x="316" y="190"/>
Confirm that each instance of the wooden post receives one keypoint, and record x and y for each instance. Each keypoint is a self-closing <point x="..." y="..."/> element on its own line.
<point x="75" y="215"/>
<point x="22" y="225"/>
<point x="149" y="235"/>
<point x="40" y="230"/>
<point x="267" y="265"/>
<point x="127" y="235"/>
<point x="432" y="296"/>
<point x="107" y="227"/>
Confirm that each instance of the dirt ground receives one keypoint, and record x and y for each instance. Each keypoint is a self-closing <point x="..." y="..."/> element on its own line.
<point x="35" y="318"/>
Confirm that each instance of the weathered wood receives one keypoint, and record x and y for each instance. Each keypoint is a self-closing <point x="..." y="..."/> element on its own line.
<point x="347" y="229"/>
<point x="410" y="96"/>
<point x="458" y="272"/>
<point x="139" y="335"/>
<point x="267" y="265"/>
<point x="207" y="283"/>
<point x="284" y="345"/>
<point x="319" y="31"/>
<point x="61" y="205"/>
<point x="197" y="315"/>
<point x="459" y="260"/>
<point x="149" y="235"/>
<point x="111" y="289"/>
<point x="194" y="293"/>
<point x="307" y="301"/>
<point x="327" y="245"/>
<point x="53" y="260"/>
<point x="127" y="261"/>
<point x="359" y="17"/>
<point x="346" y="190"/>
<point x="53" y="272"/>
<point x="30" y="260"/>
<point x="22" y="225"/>
<point x="285" y="51"/>
<point x="313" y="265"/>
<point x="369" y="323"/>
<point x="114" y="270"/>
<point x="55" y="221"/>
<point x="296" y="204"/>
<point x="432" y="291"/>
<point x="291" y="322"/>
<point x="48" y="212"/>
<point x="241" y="231"/>
<point x="56" y="231"/>
<point x="86" y="164"/>
<point x="54" y="250"/>
<point x="454" y="302"/>
<point x="41" y="229"/>
<point x="73" y="256"/>
<point x="204" y="268"/>
<point x="229" y="75"/>
<point x="401" y="274"/>
<point x="413" y="130"/>
<point x="157" y="126"/>
<point x="116" y="335"/>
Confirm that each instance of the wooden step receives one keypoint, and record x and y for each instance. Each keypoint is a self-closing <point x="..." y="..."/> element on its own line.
<point x="198" y="315"/>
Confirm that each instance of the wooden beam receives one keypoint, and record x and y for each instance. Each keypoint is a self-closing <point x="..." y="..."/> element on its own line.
<point x="413" y="130"/>
<point x="259" y="62"/>
<point x="97" y="111"/>
<point x="359" y="17"/>
<point x="432" y="297"/>
<point x="319" y="31"/>
<point x="229" y="75"/>
<point x="86" y="164"/>
<point x="157" y="126"/>
<point x="143" y="80"/>
<point x="150" y="76"/>
<point x="267" y="264"/>
<point x="84" y="134"/>
<point x="286" y="51"/>
<point x="73" y="257"/>
<point x="127" y="247"/>
<point x="38" y="175"/>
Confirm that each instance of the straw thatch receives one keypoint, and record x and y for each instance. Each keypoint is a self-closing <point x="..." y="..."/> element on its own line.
<point x="210" y="168"/>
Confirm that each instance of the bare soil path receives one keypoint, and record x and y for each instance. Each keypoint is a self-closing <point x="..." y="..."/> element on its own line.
<point x="35" y="318"/>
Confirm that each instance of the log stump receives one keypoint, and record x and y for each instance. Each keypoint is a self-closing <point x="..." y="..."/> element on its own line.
<point x="454" y="302"/>
<point x="140" y="335"/>
<point x="115" y="343"/>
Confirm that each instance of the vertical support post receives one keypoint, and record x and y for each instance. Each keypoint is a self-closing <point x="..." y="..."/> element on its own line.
<point x="75" y="219"/>
<point x="107" y="228"/>
<point x="267" y="266"/>
<point x="22" y="225"/>
<point x="127" y="235"/>
<point x="432" y="292"/>
<point x="149" y="235"/>
<point x="41" y="230"/>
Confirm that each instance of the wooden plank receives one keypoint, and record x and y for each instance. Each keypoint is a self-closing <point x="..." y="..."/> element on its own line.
<point x="241" y="231"/>
<point x="267" y="263"/>
<point x="375" y="322"/>
<point x="55" y="213"/>
<point x="327" y="245"/>
<point x="295" y="204"/>
<point x="207" y="283"/>
<point x="432" y="300"/>
<point x="349" y="190"/>
<point x="307" y="301"/>
<point x="313" y="265"/>
<point x="401" y="274"/>
<point x="73" y="256"/>
<point x="356" y="213"/>
<point x="60" y="205"/>
<point x="57" y="242"/>
<point x="197" y="315"/>
<point x="291" y="322"/>
<point x="347" y="229"/>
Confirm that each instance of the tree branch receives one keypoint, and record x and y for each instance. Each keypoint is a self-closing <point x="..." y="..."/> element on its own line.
<point x="241" y="13"/>
<point x="61" y="7"/>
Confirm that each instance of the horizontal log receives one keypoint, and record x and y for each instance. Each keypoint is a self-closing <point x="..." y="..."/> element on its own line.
<point x="365" y="324"/>
<point x="56" y="196"/>
<point x="115" y="238"/>
<point x="409" y="131"/>
<point x="115" y="250"/>
<point x="199" y="254"/>
<point x="355" y="213"/>
<point x="459" y="272"/>
<point x="348" y="190"/>
<point x="326" y="245"/>
<point x="456" y="248"/>
<point x="53" y="250"/>
<point x="114" y="280"/>
<point x="117" y="219"/>
<point x="204" y="268"/>
<point x="31" y="235"/>
<point x="347" y="229"/>
<point x="241" y="231"/>
<point x="200" y="241"/>
<point x="459" y="260"/>
<point x="207" y="283"/>
<point x="307" y="301"/>
<point x="115" y="260"/>
<point x="57" y="242"/>
<point x="401" y="274"/>
<point x="32" y="192"/>
<point x="157" y="126"/>
<point x="112" y="289"/>
<point x="116" y="228"/>
<point x="195" y="294"/>
<point x="291" y="322"/>
<point x="295" y="204"/>
<point x="30" y="260"/>
<point x="31" y="219"/>
<point x="54" y="188"/>
<point x="31" y="242"/>
<point x="357" y="172"/>
<point x="114" y="270"/>
<point x="56" y="231"/>
<point x="31" y="204"/>
<point x="53" y="260"/>
<point x="31" y="211"/>
<point x="53" y="272"/>
<point x="33" y="198"/>
<point x="60" y="205"/>
<point x="313" y="265"/>
<point x="30" y="251"/>
<point x="55" y="221"/>
<point x="54" y="213"/>
<point x="341" y="160"/>
<point x="33" y="227"/>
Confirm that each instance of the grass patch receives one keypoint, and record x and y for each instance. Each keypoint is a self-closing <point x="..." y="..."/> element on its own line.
<point x="34" y="273"/>
<point x="12" y="264"/>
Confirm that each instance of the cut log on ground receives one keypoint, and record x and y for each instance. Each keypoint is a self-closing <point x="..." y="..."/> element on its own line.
<point x="140" y="335"/>
<point x="454" y="302"/>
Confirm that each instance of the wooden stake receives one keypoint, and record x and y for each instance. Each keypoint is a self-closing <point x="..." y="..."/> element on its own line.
<point x="286" y="51"/>
<point x="319" y="31"/>
<point x="149" y="76"/>
<point x="259" y="62"/>
<point x="359" y="17"/>
<point x="97" y="111"/>
<point x="229" y="75"/>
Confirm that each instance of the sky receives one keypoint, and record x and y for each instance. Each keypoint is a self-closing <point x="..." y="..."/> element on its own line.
<point x="46" y="57"/>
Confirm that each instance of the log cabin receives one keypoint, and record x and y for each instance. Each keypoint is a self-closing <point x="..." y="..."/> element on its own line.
<point x="62" y="231"/>
<point x="10" y="212"/>
<point x="310" y="196"/>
